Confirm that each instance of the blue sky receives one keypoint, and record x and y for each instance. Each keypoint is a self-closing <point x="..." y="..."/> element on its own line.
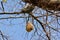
<point x="13" y="28"/>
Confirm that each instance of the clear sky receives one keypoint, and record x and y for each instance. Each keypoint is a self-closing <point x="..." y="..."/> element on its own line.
<point x="13" y="28"/>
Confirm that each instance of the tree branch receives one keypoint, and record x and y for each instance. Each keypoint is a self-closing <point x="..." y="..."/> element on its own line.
<point x="40" y="24"/>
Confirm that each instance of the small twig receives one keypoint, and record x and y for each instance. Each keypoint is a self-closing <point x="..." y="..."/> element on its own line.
<point x="2" y="6"/>
<point x="3" y="36"/>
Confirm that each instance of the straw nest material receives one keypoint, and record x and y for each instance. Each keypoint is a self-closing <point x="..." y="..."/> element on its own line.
<point x="45" y="4"/>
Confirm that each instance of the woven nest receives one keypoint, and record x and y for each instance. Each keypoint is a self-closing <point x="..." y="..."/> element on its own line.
<point x="44" y="4"/>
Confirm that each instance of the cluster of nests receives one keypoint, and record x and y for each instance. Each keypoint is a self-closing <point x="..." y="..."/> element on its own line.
<point x="45" y="4"/>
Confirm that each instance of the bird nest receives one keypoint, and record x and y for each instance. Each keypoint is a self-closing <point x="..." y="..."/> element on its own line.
<point x="44" y="4"/>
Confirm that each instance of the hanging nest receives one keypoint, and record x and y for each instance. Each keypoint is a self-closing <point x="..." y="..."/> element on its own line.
<point x="45" y="4"/>
<point x="29" y="27"/>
